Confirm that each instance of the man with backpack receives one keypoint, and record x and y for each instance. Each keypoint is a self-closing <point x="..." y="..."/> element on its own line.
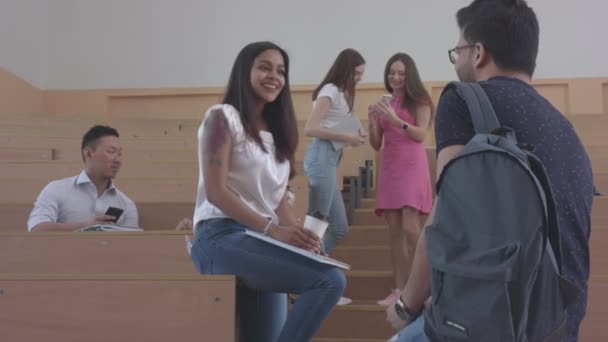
<point x="493" y="239"/>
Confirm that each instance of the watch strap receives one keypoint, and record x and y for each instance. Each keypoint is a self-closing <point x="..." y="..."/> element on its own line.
<point x="404" y="312"/>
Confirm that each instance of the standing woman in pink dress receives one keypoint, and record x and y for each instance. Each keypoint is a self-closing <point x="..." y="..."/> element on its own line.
<point x="398" y="126"/>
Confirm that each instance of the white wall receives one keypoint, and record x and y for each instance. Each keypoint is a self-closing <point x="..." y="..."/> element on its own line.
<point x="23" y="28"/>
<point x="192" y="43"/>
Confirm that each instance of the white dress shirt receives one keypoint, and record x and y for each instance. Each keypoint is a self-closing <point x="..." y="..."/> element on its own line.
<point x="75" y="199"/>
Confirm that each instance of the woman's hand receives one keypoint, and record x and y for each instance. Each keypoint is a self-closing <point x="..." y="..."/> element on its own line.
<point x="184" y="224"/>
<point x="387" y="112"/>
<point x="372" y="114"/>
<point x="355" y="139"/>
<point x="296" y="236"/>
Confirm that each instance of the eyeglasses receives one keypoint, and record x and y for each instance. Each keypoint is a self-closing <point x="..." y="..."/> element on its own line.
<point x="453" y="53"/>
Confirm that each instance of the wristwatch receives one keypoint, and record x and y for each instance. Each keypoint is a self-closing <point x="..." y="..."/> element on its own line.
<point x="404" y="312"/>
<point x="404" y="126"/>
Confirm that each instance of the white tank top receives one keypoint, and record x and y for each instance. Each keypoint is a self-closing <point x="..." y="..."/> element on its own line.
<point x="254" y="175"/>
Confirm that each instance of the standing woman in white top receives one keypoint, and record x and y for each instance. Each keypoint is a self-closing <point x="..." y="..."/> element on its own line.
<point x="246" y="147"/>
<point x="333" y="100"/>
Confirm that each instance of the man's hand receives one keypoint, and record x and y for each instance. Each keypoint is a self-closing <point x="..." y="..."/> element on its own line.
<point x="395" y="321"/>
<point x="99" y="219"/>
<point x="427" y="303"/>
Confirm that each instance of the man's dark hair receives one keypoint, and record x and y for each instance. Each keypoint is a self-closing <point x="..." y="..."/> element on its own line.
<point x="92" y="136"/>
<point x="508" y="29"/>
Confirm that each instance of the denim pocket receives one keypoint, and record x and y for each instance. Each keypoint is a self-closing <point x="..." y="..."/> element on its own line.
<point x="202" y="261"/>
<point x="207" y="234"/>
<point x="315" y="154"/>
<point x="320" y="155"/>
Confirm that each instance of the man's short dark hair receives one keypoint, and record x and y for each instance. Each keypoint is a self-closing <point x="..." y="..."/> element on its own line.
<point x="508" y="29"/>
<point x="92" y="136"/>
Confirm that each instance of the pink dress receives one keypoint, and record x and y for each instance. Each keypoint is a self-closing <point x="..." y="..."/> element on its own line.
<point x="403" y="175"/>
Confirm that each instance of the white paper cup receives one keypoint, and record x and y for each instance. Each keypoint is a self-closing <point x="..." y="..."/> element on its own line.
<point x="315" y="225"/>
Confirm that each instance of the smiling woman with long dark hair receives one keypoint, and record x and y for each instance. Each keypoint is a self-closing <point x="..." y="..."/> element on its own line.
<point x="246" y="147"/>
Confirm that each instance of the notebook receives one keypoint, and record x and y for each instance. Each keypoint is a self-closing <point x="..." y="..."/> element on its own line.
<point x="314" y="256"/>
<point x="349" y="124"/>
<point x="110" y="228"/>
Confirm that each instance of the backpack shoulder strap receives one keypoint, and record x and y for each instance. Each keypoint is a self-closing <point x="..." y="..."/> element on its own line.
<point x="553" y="240"/>
<point x="482" y="113"/>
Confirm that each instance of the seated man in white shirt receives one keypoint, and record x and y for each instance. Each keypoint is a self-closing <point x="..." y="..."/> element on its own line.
<point x="73" y="203"/>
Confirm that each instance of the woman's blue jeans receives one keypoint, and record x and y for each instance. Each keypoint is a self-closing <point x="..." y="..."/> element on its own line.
<point x="320" y="164"/>
<point x="267" y="273"/>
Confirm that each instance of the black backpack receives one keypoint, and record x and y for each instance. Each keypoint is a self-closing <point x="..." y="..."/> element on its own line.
<point x="494" y="245"/>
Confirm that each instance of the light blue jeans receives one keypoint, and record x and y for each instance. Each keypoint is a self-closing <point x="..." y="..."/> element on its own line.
<point x="320" y="164"/>
<point x="267" y="273"/>
<point x="413" y="332"/>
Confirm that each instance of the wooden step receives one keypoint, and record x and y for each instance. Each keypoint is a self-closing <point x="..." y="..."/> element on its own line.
<point x="15" y="154"/>
<point x="367" y="217"/>
<point x="376" y="282"/>
<point x="368" y="285"/>
<point x="362" y="258"/>
<point x="591" y="128"/>
<point x="365" y="236"/>
<point x="66" y="143"/>
<point x="362" y="320"/>
<point x="599" y="214"/>
<point x="599" y="253"/>
<point x="593" y="326"/>
<point x="377" y="258"/>
<point x="601" y="182"/>
<point x="50" y="125"/>
<point x="365" y="320"/>
<point x="599" y="157"/>
<point x="137" y="155"/>
<point x="186" y="132"/>
<point x="368" y="203"/>
<point x="50" y="170"/>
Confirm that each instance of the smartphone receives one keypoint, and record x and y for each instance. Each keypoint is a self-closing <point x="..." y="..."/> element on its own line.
<point x="113" y="211"/>
<point x="386" y="98"/>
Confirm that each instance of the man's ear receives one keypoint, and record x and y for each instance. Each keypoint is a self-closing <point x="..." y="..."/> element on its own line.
<point x="86" y="153"/>
<point x="481" y="57"/>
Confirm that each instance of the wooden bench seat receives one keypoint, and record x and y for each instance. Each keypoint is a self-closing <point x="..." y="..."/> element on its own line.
<point x="106" y="307"/>
<point x="79" y="124"/>
<point x="591" y="128"/>
<point x="73" y="143"/>
<point x="150" y="252"/>
<point x="16" y="154"/>
<point x="57" y="169"/>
